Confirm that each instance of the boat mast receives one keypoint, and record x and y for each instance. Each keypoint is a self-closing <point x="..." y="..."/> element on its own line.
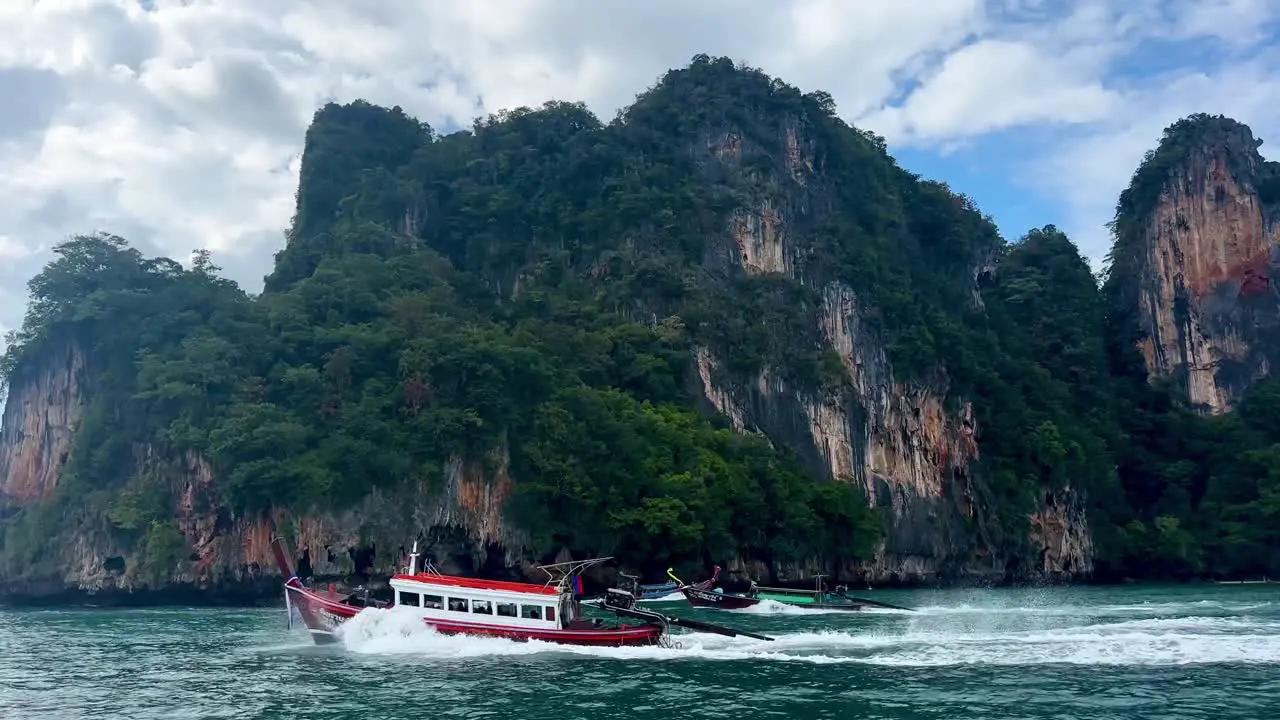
<point x="817" y="587"/>
<point x="413" y="560"/>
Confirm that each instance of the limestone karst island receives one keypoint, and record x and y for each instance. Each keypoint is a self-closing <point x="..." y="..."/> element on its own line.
<point x="724" y="329"/>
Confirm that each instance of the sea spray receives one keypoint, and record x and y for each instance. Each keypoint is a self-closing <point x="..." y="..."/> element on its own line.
<point x="938" y="639"/>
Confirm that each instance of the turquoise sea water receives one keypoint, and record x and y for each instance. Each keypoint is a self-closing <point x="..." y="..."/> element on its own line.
<point x="1079" y="653"/>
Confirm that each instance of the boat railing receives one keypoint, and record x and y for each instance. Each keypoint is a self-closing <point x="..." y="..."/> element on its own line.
<point x="816" y="592"/>
<point x="784" y="591"/>
<point x="559" y="575"/>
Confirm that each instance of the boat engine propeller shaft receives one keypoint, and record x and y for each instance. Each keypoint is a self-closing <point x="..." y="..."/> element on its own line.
<point x="623" y="604"/>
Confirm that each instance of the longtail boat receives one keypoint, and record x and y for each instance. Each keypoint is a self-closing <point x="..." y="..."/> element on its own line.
<point x="745" y="594"/>
<point x="656" y="591"/>
<point x="819" y="598"/>
<point x="651" y="591"/>
<point x="454" y="605"/>
<point x="706" y="594"/>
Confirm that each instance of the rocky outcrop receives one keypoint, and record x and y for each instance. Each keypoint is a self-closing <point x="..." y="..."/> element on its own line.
<point x="912" y="452"/>
<point x="226" y="557"/>
<point x="912" y="457"/>
<point x="759" y="236"/>
<point x="1209" y="302"/>
<point x="1061" y="531"/>
<point x="45" y="405"/>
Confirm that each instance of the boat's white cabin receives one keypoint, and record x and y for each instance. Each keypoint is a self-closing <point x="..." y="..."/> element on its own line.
<point x="467" y="600"/>
<point x="473" y="605"/>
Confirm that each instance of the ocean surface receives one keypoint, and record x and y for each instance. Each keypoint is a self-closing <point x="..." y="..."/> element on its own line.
<point x="1079" y="653"/>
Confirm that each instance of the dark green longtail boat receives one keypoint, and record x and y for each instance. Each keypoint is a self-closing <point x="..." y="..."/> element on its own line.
<point x="707" y="594"/>
<point x="820" y="598"/>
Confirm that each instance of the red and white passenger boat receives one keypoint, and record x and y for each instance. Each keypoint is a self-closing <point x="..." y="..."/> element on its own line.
<point x="550" y="612"/>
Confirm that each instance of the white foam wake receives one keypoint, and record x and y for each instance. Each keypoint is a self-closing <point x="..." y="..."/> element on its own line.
<point x="1158" y="609"/>
<point x="1150" y="641"/>
<point x="773" y="607"/>
<point x="669" y="597"/>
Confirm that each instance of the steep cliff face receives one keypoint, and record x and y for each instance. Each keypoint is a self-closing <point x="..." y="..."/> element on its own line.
<point x="44" y="409"/>
<point x="1199" y="230"/>
<point x="912" y="455"/>
<point x="907" y="454"/>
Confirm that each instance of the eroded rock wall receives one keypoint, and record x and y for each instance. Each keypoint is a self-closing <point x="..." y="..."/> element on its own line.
<point x="1208" y="305"/>
<point x="226" y="555"/>
<point x="912" y="452"/>
<point x="43" y="411"/>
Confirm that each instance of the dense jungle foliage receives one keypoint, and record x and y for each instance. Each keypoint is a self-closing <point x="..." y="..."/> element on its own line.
<point x="534" y="287"/>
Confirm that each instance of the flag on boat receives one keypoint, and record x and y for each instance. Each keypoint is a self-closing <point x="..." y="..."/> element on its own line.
<point x="576" y="584"/>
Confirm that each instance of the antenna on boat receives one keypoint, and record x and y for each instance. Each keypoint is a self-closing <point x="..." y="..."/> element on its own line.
<point x="413" y="560"/>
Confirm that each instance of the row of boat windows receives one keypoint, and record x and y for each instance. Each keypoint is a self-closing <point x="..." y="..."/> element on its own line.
<point x="478" y="607"/>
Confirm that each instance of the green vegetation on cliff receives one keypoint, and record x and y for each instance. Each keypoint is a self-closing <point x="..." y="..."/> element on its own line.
<point x="376" y="372"/>
<point x="528" y="294"/>
<point x="1201" y="494"/>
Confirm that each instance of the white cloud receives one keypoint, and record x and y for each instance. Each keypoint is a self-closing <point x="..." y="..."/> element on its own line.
<point x="181" y="126"/>
<point x="1241" y="22"/>
<point x="994" y="84"/>
<point x="11" y="249"/>
<point x="1089" y="171"/>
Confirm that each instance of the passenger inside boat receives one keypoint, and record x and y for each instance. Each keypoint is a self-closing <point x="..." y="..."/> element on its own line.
<point x="360" y="597"/>
<point x="738" y="587"/>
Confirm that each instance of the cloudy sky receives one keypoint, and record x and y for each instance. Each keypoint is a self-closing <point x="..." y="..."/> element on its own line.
<point x="178" y="123"/>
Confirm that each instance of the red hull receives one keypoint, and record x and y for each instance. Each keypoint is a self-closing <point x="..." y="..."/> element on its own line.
<point x="324" y="612"/>
<point x="620" y="636"/>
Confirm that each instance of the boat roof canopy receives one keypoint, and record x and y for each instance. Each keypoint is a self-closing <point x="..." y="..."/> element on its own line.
<point x="478" y="584"/>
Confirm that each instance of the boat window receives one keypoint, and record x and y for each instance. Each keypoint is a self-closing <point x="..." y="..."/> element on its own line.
<point x="458" y="604"/>
<point x="551" y="614"/>
<point x="532" y="612"/>
<point x="408" y="598"/>
<point x="507" y="609"/>
<point x="432" y="601"/>
<point x="482" y="607"/>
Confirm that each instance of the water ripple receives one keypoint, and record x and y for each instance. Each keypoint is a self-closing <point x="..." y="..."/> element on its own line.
<point x="1095" y="654"/>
